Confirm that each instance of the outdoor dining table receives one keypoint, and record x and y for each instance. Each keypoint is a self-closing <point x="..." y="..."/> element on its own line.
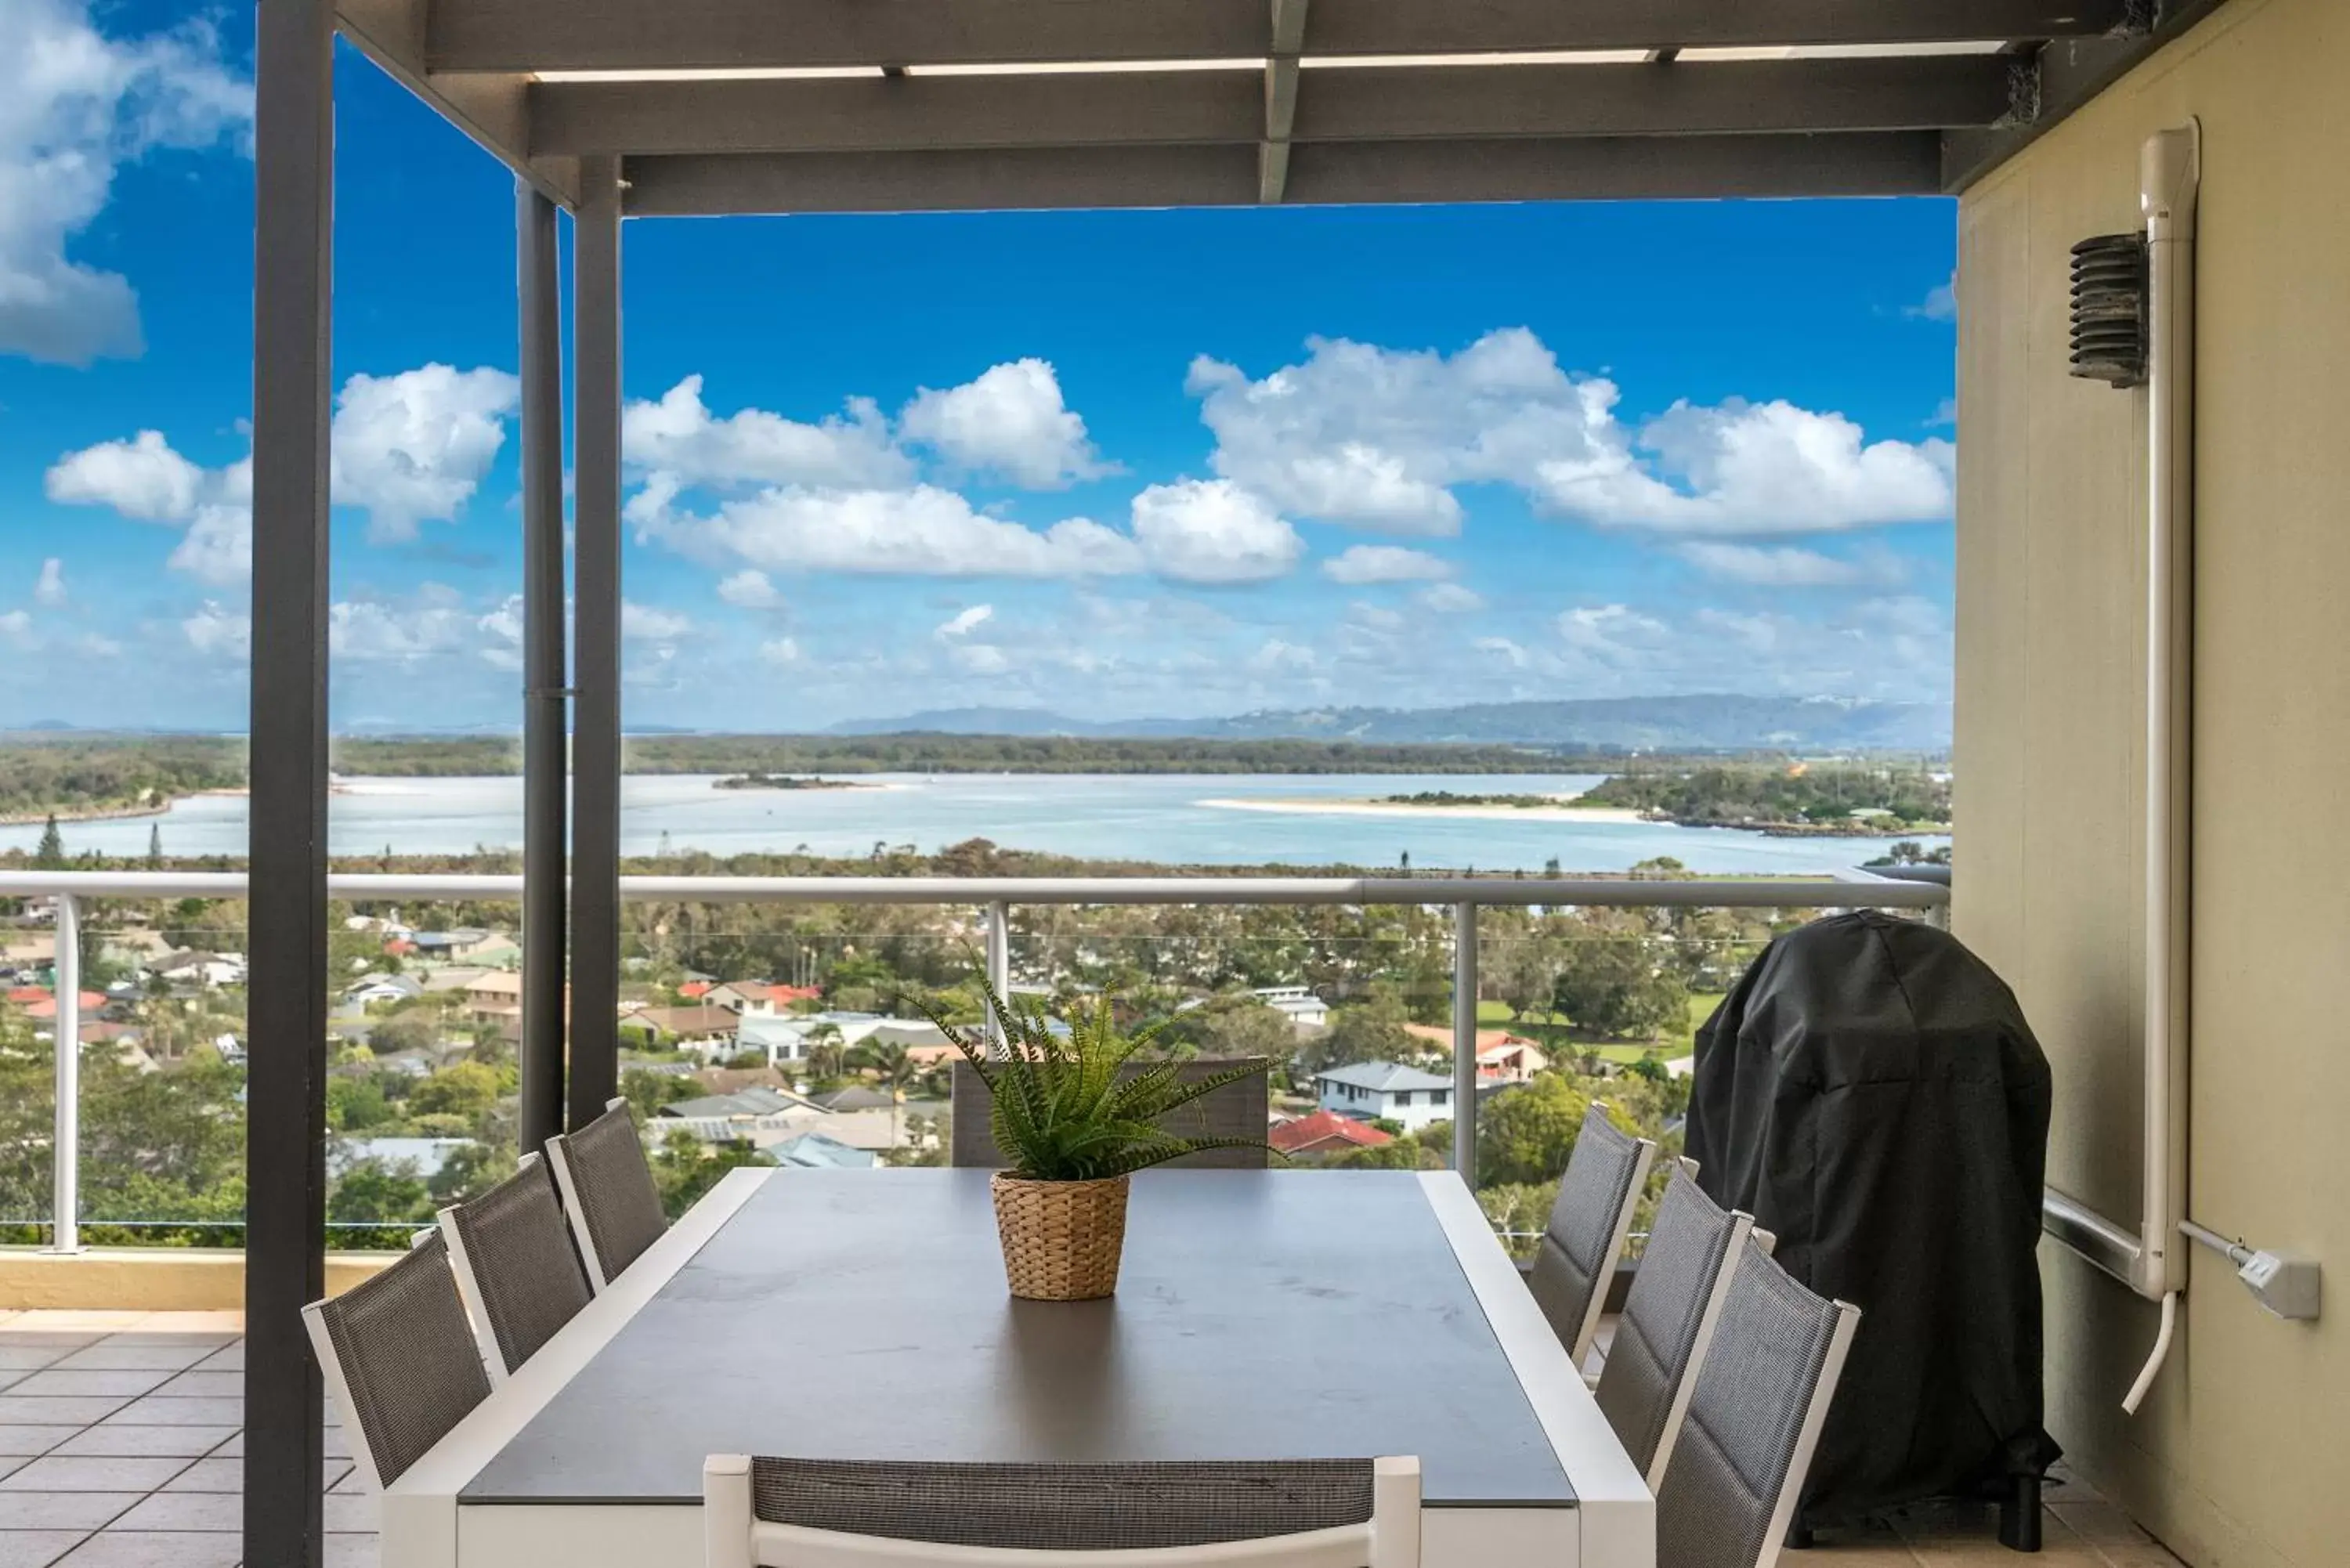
<point x="863" y="1315"/>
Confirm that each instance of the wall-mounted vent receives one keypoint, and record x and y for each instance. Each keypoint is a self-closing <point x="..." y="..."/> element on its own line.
<point x="2109" y="331"/>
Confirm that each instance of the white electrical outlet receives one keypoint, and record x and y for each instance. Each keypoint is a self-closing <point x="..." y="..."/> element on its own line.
<point x="2289" y="1287"/>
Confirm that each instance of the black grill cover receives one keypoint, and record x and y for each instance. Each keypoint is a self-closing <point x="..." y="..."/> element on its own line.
<point x="1870" y="1092"/>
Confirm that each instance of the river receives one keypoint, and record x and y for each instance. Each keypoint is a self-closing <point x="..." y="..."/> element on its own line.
<point x="1166" y="819"/>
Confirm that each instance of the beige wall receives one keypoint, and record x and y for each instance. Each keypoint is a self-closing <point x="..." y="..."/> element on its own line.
<point x="2242" y="1456"/>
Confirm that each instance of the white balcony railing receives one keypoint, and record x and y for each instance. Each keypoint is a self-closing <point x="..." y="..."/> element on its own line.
<point x="1463" y="895"/>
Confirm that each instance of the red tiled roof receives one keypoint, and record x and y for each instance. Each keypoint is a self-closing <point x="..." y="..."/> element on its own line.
<point x="1325" y="1126"/>
<point x="46" y="1007"/>
<point x="693" y="987"/>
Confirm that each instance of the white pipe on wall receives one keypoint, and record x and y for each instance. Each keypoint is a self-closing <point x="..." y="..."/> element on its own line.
<point x="2170" y="173"/>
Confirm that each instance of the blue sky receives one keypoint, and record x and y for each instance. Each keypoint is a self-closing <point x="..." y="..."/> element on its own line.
<point x="1115" y="464"/>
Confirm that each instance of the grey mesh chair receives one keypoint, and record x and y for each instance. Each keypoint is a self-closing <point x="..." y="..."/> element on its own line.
<point x="401" y="1360"/>
<point x="1287" y="1513"/>
<point x="1239" y="1109"/>
<point x="609" y="1192"/>
<point x="1577" y="1255"/>
<point x="1754" y="1417"/>
<point x="516" y="1266"/>
<point x="1668" y="1321"/>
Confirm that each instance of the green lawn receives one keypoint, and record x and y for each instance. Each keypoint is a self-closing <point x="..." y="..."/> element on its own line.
<point x="1555" y="1034"/>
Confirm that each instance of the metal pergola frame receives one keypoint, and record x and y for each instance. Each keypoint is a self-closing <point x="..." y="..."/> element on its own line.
<point x="638" y="107"/>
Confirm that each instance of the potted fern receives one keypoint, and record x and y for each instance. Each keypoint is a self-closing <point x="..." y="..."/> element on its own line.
<point x="1074" y="1116"/>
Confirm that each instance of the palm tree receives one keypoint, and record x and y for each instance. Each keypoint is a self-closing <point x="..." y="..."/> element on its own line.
<point x="895" y="1069"/>
<point x="827" y="1056"/>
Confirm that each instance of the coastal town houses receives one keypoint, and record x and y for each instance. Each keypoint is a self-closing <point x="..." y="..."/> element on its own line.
<point x="380" y="990"/>
<point x="487" y="949"/>
<point x="195" y="967"/>
<point x="789" y="1038"/>
<point x="1306" y="1012"/>
<point x="1501" y="1057"/>
<point x="771" y="1120"/>
<point x="751" y="998"/>
<point x="1324" y="1137"/>
<point x="708" y="1032"/>
<point x="494" y="996"/>
<point x="1385" y="1091"/>
<point x="819" y="1151"/>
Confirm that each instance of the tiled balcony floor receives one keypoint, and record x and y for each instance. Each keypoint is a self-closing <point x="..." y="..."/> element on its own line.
<point x="121" y="1448"/>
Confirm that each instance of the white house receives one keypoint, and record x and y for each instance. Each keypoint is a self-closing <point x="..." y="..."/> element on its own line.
<point x="786" y="1038"/>
<point x="381" y="988"/>
<point x="1368" y="1091"/>
<point x="1297" y="1003"/>
<point x="211" y="970"/>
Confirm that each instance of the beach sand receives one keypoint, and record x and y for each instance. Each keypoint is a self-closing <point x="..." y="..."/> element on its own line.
<point x="1563" y="813"/>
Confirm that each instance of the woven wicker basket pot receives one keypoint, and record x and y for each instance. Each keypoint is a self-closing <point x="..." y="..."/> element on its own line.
<point x="1062" y="1240"/>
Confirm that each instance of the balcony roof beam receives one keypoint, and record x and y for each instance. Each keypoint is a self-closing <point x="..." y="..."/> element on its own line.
<point x="1384" y="103"/>
<point x="530" y="35"/>
<point x="1579" y="168"/>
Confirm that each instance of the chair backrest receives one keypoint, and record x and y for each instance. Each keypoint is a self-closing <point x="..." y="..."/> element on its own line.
<point x="516" y="1265"/>
<point x="1754" y="1417"/>
<point x="1577" y="1255"/>
<point x="1287" y="1513"/>
<point x="1238" y="1109"/>
<point x="1669" y="1319"/>
<point x="400" y="1357"/>
<point x="609" y="1192"/>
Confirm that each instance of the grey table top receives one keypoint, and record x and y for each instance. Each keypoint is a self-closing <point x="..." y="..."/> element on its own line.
<point x="863" y="1315"/>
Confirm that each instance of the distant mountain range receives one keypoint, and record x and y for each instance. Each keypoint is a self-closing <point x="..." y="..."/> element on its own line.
<point x="1721" y="722"/>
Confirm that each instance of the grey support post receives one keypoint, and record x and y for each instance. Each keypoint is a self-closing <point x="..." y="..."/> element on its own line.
<point x="544" y="897"/>
<point x="64" y="1140"/>
<point x="1464" y="1042"/>
<point x="596" y="747"/>
<point x="286" y="1101"/>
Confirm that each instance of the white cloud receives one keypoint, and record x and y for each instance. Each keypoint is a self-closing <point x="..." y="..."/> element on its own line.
<point x="141" y="478"/>
<point x="1360" y="564"/>
<point x="215" y="630"/>
<point x="780" y="651"/>
<point x="679" y="437"/>
<point x="370" y="631"/>
<point x="504" y="627"/>
<point x="145" y="479"/>
<point x="412" y="448"/>
<point x="1516" y="656"/>
<point x="408" y="449"/>
<point x="645" y="623"/>
<point x="50" y="587"/>
<point x="1009" y="421"/>
<point x="751" y="590"/>
<point x="1380" y="438"/>
<point x="1611" y="633"/>
<point x="1213" y="531"/>
<point x="1755" y="468"/>
<point x="924" y="531"/>
<point x="1277" y="655"/>
<point x="1940" y="304"/>
<point x="217" y="548"/>
<point x="1449" y="599"/>
<point x="965" y="621"/>
<point x="16" y="630"/>
<point x="979" y="658"/>
<point x="1781" y="566"/>
<point x="76" y="106"/>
